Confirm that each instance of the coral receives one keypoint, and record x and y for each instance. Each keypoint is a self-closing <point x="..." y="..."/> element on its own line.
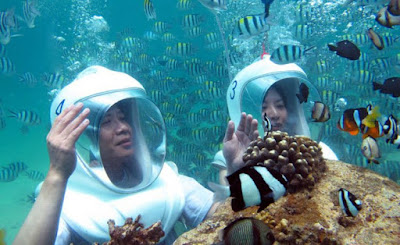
<point x="315" y="217"/>
<point x="133" y="233"/>
<point x="298" y="158"/>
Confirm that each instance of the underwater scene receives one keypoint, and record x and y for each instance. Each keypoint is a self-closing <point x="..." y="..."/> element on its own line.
<point x="186" y="53"/>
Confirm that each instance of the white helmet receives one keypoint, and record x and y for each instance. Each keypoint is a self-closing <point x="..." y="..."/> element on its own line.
<point x="247" y="91"/>
<point x="99" y="89"/>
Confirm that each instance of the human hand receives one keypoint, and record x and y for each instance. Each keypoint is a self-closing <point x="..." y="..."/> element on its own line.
<point x="236" y="142"/>
<point x="66" y="129"/>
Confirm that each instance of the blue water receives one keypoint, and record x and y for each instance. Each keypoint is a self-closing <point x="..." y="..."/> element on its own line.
<point x="191" y="144"/>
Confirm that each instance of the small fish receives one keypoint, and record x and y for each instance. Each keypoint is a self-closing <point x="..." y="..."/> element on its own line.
<point x="304" y="91"/>
<point x="370" y="119"/>
<point x="250" y="25"/>
<point x="252" y="185"/>
<point x="247" y="231"/>
<point x="386" y="18"/>
<point x="267" y="4"/>
<point x="370" y="150"/>
<point x="394" y="140"/>
<point x="30" y="13"/>
<point x="320" y="112"/>
<point x="288" y="54"/>
<point x="17" y="167"/>
<point x="390" y="86"/>
<point x="35" y="175"/>
<point x="349" y="203"/>
<point x="219" y="5"/>
<point x="351" y="120"/>
<point x="390" y="126"/>
<point x="7" y="21"/>
<point x="346" y="49"/>
<point x="267" y="124"/>
<point x="149" y="10"/>
<point x="7" y="175"/>
<point x="26" y="117"/>
<point x="376" y="39"/>
<point x="6" y="65"/>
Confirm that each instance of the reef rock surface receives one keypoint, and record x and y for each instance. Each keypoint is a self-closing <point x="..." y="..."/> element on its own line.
<point x="315" y="217"/>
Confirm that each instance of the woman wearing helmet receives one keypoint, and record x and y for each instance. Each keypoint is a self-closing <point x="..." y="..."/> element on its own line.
<point x="275" y="91"/>
<point x="109" y="164"/>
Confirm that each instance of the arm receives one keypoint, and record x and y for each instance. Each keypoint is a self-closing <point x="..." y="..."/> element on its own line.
<point x="40" y="227"/>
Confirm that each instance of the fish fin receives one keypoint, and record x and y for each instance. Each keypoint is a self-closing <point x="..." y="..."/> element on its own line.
<point x="332" y="47"/>
<point x="354" y="132"/>
<point x="221" y="192"/>
<point x="370" y="120"/>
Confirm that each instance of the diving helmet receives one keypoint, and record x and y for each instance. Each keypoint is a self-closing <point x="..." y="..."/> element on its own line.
<point x="248" y="89"/>
<point x="102" y="90"/>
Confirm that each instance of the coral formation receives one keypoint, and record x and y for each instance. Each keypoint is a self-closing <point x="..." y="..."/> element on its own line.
<point x="315" y="217"/>
<point x="298" y="158"/>
<point x="133" y="233"/>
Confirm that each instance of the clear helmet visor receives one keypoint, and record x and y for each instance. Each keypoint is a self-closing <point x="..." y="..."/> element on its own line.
<point x="278" y="95"/>
<point x="124" y="145"/>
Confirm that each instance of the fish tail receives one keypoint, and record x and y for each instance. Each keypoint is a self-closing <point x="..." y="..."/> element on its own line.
<point x="221" y="192"/>
<point x="332" y="47"/>
<point x="376" y="86"/>
<point x="12" y="113"/>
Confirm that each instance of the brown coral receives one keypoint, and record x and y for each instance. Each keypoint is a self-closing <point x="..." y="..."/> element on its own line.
<point x="133" y="233"/>
<point x="298" y="158"/>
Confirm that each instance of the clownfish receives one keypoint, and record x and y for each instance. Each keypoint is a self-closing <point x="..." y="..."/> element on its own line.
<point x="361" y="120"/>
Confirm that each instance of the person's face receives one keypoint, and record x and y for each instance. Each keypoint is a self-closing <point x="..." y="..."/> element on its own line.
<point x="115" y="136"/>
<point x="275" y="109"/>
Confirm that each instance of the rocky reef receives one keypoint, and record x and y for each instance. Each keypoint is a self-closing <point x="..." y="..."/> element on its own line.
<point x="133" y="233"/>
<point x="313" y="215"/>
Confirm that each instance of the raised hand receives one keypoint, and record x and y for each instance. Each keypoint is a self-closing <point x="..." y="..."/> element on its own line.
<point x="66" y="129"/>
<point x="236" y="142"/>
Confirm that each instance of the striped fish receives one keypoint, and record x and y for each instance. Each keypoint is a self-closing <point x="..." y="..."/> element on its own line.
<point x="252" y="185"/>
<point x="7" y="21"/>
<point x="348" y="202"/>
<point x="35" y="175"/>
<point x="288" y="54"/>
<point x="149" y="10"/>
<point x="6" y="65"/>
<point x="250" y="25"/>
<point x="219" y="5"/>
<point x="17" y="167"/>
<point x="26" y="117"/>
<point x="7" y="175"/>
<point x="30" y="13"/>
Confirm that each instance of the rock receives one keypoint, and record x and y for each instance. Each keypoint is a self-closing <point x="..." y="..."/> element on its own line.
<point x="315" y="217"/>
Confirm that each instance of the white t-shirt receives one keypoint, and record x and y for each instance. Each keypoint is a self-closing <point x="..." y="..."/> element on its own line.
<point x="198" y="201"/>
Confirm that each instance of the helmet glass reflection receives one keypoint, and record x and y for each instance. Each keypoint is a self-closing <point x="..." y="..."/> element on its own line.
<point x="124" y="144"/>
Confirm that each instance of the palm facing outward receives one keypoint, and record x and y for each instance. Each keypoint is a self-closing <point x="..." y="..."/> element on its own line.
<point x="236" y="142"/>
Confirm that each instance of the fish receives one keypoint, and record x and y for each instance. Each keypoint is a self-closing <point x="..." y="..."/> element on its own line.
<point x="267" y="4"/>
<point x="26" y="117"/>
<point x="346" y="49"/>
<point x="390" y="86"/>
<point x="320" y="112"/>
<point x="250" y="25"/>
<point x="376" y="39"/>
<point x="351" y="120"/>
<point x="218" y="5"/>
<point x="394" y="7"/>
<point x="149" y="10"/>
<point x="247" y="231"/>
<point x="390" y="127"/>
<point x="6" y="65"/>
<point x="304" y="91"/>
<point x="35" y="175"/>
<point x="252" y="185"/>
<point x="394" y="140"/>
<point x="7" y="175"/>
<point x="370" y="150"/>
<point x="386" y="18"/>
<point x="7" y="21"/>
<point x="30" y="13"/>
<point x="17" y="167"/>
<point x="370" y="119"/>
<point x="267" y="124"/>
<point x="288" y="54"/>
<point x="349" y="203"/>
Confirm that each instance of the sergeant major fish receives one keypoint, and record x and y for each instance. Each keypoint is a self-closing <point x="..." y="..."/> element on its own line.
<point x="250" y="25"/>
<point x="219" y="5"/>
<point x="30" y="13"/>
